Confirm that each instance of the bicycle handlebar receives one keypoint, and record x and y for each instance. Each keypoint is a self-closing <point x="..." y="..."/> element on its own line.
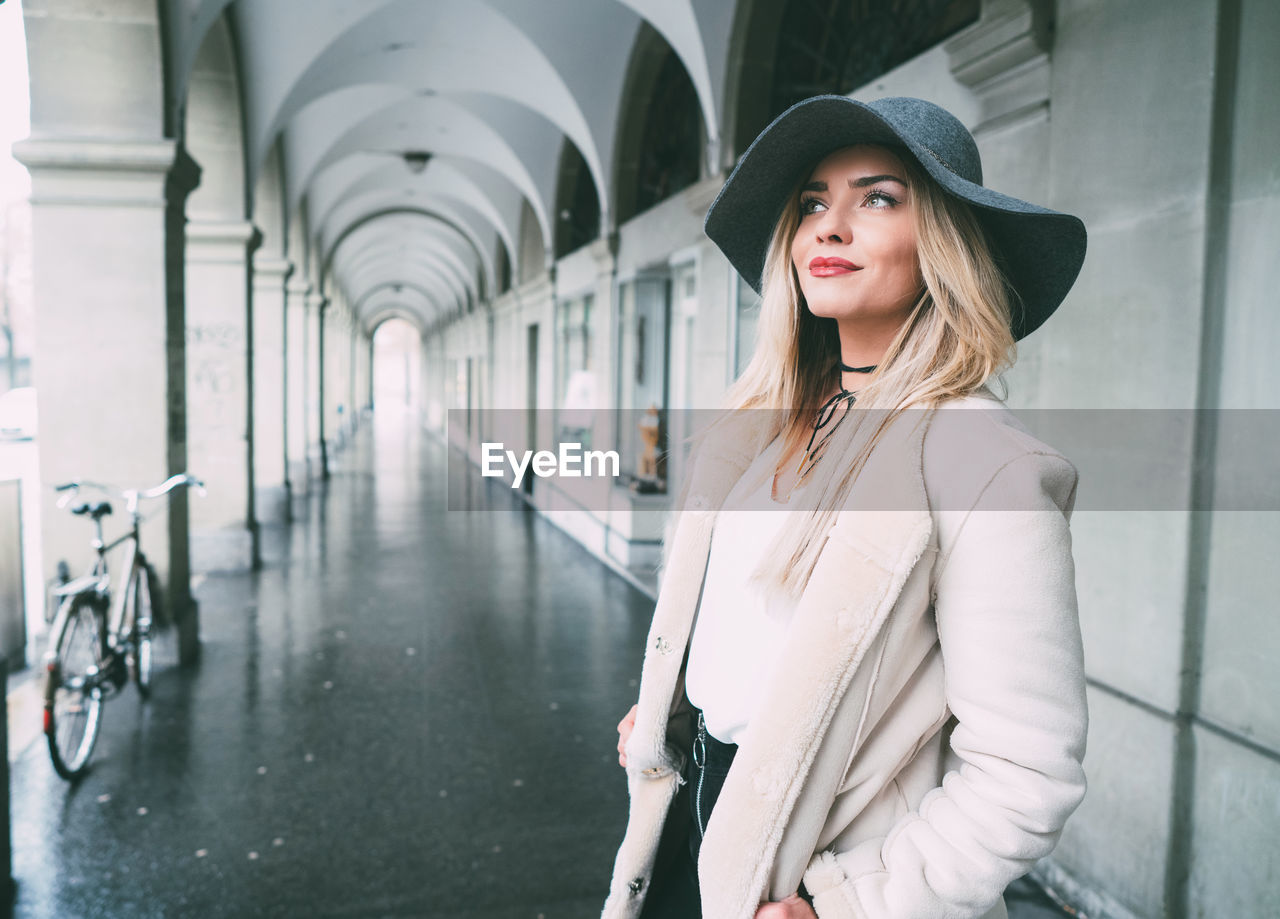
<point x="132" y="496"/>
<point x="168" y="485"/>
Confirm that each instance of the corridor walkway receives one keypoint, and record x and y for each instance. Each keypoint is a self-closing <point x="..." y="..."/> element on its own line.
<point x="409" y="712"/>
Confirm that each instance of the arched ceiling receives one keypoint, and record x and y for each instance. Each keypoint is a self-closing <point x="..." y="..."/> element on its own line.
<point x="412" y="133"/>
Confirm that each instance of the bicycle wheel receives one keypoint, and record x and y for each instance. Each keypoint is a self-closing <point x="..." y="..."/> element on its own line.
<point x="73" y="693"/>
<point x="143" y="629"/>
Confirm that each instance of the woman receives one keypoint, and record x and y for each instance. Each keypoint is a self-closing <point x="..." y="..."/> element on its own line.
<point x="871" y="706"/>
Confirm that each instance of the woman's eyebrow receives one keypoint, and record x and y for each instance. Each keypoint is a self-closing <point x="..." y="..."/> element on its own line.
<point x="863" y="182"/>
<point x="872" y="180"/>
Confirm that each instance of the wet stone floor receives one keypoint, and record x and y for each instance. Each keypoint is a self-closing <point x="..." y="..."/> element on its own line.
<point x="408" y="712"/>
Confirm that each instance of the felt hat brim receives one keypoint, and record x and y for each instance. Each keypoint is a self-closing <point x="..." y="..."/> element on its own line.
<point x="1039" y="250"/>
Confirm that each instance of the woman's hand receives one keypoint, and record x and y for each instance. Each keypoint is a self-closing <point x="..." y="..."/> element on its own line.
<point x="791" y="908"/>
<point x="625" y="727"/>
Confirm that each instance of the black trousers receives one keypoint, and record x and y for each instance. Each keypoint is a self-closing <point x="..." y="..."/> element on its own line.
<point x="674" y="893"/>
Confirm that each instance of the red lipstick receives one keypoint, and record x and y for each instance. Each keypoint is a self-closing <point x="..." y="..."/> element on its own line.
<point x="828" y="266"/>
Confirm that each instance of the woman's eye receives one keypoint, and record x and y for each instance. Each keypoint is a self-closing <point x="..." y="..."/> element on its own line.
<point x="810" y="206"/>
<point x="880" y="199"/>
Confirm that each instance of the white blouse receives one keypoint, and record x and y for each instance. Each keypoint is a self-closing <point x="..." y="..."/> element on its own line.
<point x="739" y="629"/>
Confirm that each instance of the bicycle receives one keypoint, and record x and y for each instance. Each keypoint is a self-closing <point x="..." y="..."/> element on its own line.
<point x="99" y="640"/>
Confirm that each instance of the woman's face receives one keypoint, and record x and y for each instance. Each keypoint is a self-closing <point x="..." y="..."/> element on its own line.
<point x="855" y="249"/>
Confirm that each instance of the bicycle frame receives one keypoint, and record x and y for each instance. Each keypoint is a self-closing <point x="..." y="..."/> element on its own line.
<point x="98" y="581"/>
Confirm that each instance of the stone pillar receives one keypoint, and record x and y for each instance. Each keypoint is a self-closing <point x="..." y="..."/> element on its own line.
<point x="360" y="353"/>
<point x="317" y="460"/>
<point x="270" y="456"/>
<point x="224" y="531"/>
<point x="297" y="470"/>
<point x="331" y="379"/>
<point x="366" y="377"/>
<point x="339" y="374"/>
<point x="353" y="375"/>
<point x="109" y="366"/>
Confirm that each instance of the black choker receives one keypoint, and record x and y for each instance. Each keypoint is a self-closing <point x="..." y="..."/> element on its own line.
<point x="847" y="369"/>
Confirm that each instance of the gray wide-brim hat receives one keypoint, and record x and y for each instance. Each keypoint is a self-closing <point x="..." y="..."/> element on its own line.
<point x="1040" y="251"/>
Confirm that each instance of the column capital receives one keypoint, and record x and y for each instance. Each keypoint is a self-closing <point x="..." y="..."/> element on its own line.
<point x="1004" y="59"/>
<point x="299" y="287"/>
<point x="107" y="173"/>
<point x="270" y="267"/>
<point x="230" y="241"/>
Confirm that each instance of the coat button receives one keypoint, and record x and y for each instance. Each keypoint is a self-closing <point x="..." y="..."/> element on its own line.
<point x="663" y="646"/>
<point x="636" y="886"/>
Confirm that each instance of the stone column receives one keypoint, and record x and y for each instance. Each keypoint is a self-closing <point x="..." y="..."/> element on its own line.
<point x="366" y="375"/>
<point x="361" y="373"/>
<point x="353" y="375"/>
<point x="339" y="374"/>
<point x="224" y="531"/>
<point x="331" y="379"/>
<point x="271" y="480"/>
<point x="317" y="460"/>
<point x="297" y="470"/>
<point x="110" y="360"/>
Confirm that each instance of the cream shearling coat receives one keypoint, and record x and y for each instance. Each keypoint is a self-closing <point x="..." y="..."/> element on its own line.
<point x="920" y="745"/>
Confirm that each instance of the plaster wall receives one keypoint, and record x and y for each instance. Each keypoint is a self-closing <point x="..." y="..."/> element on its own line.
<point x="1176" y="254"/>
<point x="650" y="238"/>
<point x="1235" y="858"/>
<point x="1142" y="80"/>
<point x="1129" y="769"/>
<point x="1241" y="682"/>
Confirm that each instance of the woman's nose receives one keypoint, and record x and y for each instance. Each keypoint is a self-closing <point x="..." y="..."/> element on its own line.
<point x="831" y="228"/>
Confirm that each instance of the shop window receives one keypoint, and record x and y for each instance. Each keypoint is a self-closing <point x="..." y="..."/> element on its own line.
<point x="577" y="388"/>
<point x="644" y="316"/>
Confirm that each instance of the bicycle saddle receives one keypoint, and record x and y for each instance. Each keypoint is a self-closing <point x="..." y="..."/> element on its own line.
<point x="95" y="509"/>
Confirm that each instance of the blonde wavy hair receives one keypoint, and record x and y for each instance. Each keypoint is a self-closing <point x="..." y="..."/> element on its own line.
<point x="956" y="338"/>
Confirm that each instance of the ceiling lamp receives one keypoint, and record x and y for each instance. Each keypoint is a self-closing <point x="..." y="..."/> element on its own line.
<point x="416" y="160"/>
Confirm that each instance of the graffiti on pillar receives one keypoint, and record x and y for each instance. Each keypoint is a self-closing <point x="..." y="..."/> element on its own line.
<point x="215" y="335"/>
<point x="212" y="370"/>
<point x="213" y="376"/>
